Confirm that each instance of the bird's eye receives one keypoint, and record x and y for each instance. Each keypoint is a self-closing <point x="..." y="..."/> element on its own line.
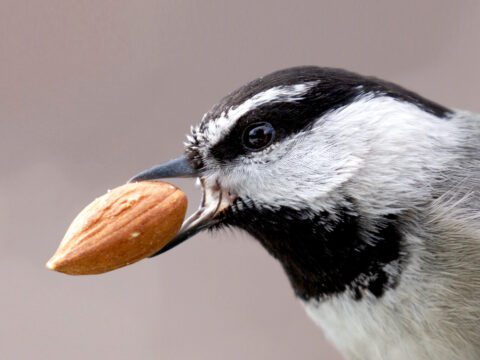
<point x="258" y="136"/>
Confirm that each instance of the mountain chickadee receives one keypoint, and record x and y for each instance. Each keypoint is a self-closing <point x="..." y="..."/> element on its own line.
<point x="367" y="194"/>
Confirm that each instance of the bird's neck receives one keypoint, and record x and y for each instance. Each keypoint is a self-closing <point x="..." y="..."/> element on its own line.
<point x="323" y="256"/>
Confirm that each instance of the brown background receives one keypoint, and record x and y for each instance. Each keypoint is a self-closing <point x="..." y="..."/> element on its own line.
<point x="93" y="91"/>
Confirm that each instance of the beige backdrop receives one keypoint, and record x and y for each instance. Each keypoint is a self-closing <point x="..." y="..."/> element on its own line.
<point x="93" y="91"/>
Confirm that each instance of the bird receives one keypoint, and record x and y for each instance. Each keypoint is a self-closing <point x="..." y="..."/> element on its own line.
<point x="368" y="195"/>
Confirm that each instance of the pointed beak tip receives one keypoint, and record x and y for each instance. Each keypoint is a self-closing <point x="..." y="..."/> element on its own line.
<point x="179" y="167"/>
<point x="137" y="178"/>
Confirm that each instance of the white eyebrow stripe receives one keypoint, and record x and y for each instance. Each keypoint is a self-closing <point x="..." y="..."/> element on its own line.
<point x="285" y="93"/>
<point x="289" y="93"/>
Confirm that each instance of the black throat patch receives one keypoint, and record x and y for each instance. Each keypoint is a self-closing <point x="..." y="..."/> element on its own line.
<point x="324" y="256"/>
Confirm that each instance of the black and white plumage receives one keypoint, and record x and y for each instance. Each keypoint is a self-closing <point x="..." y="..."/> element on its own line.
<point x="367" y="194"/>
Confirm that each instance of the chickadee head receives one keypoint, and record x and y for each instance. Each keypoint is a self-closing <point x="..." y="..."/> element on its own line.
<point x="319" y="165"/>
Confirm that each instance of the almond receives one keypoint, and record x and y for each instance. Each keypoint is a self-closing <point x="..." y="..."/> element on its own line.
<point x="123" y="226"/>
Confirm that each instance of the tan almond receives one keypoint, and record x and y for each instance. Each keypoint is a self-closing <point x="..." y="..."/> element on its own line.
<point x="123" y="226"/>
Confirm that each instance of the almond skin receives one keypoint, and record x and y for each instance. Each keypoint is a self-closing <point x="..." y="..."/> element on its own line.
<point x="123" y="226"/>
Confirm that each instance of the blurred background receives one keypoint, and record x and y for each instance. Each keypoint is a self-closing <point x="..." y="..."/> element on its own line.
<point x="91" y="92"/>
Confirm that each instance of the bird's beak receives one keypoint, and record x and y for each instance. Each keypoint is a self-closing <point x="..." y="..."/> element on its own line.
<point x="213" y="204"/>
<point x="179" y="167"/>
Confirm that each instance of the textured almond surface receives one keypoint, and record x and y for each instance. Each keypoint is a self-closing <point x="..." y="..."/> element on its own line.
<point x="123" y="226"/>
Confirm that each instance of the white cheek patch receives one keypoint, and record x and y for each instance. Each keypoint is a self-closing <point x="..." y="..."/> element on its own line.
<point x="217" y="128"/>
<point x="301" y="172"/>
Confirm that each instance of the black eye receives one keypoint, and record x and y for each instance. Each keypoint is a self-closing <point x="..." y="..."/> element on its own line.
<point x="258" y="136"/>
